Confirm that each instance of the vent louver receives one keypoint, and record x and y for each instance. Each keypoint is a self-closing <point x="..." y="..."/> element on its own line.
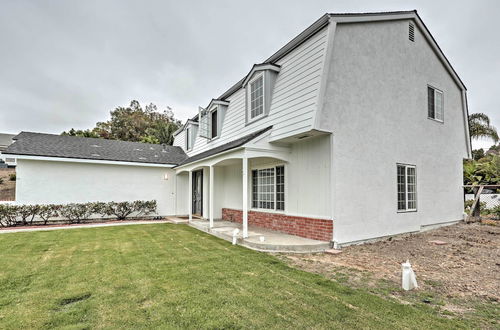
<point x="411" y="32"/>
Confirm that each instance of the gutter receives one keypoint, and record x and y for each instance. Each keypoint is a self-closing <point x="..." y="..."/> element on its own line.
<point x="89" y="161"/>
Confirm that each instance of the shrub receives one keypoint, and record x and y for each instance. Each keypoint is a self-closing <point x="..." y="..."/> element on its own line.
<point x="482" y="206"/>
<point x="28" y="212"/>
<point x="98" y="208"/>
<point x="12" y="177"/>
<point x="8" y="215"/>
<point x="120" y="210"/>
<point x="145" y="207"/>
<point x="76" y="212"/>
<point x="496" y="211"/>
<point x="49" y="211"/>
<point x="1" y="180"/>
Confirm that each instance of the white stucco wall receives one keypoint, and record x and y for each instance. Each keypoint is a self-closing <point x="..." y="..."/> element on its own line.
<point x="376" y="98"/>
<point x="68" y="182"/>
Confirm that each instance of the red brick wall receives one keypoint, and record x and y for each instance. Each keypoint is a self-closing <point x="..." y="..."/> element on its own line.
<point x="319" y="229"/>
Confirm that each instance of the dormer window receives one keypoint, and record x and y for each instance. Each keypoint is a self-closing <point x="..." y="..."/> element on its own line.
<point x="188" y="138"/>
<point x="214" y="127"/>
<point x="259" y="85"/>
<point x="256" y="96"/>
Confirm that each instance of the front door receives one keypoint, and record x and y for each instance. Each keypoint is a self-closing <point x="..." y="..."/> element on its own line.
<point x="198" y="193"/>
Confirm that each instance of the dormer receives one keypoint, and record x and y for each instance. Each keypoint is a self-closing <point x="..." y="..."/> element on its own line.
<point x="216" y="113"/>
<point x="259" y="85"/>
<point x="187" y="135"/>
<point x="211" y="119"/>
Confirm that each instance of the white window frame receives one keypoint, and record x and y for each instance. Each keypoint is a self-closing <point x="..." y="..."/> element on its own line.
<point x="249" y="100"/>
<point x="436" y="91"/>
<point x="285" y="192"/>
<point x="218" y="120"/>
<point x="406" y="167"/>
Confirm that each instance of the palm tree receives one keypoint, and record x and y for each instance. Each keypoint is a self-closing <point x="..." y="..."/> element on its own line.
<point x="479" y="127"/>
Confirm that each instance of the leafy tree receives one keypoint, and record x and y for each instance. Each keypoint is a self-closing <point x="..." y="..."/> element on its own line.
<point x="477" y="154"/>
<point x="82" y="133"/>
<point x="133" y="123"/>
<point x="479" y="126"/>
<point x="485" y="171"/>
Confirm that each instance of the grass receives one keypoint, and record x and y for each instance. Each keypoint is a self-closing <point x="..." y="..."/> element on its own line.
<point x="173" y="276"/>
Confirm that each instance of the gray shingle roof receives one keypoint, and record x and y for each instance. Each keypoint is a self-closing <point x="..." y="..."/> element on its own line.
<point x="51" y="145"/>
<point x="225" y="147"/>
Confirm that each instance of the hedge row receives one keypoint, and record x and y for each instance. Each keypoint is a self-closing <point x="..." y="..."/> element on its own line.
<point x="16" y="215"/>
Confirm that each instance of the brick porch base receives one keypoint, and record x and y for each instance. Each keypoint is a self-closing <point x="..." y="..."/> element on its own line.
<point x="319" y="229"/>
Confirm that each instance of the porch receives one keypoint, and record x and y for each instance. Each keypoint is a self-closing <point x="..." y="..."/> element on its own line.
<point x="276" y="196"/>
<point x="259" y="238"/>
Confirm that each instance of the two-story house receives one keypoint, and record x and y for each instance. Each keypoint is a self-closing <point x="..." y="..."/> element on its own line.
<point x="355" y="129"/>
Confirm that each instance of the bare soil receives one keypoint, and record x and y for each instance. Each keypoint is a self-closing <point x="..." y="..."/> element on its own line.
<point x="7" y="188"/>
<point x="460" y="274"/>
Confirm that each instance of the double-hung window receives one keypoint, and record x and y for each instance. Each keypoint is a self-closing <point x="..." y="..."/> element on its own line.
<point x="435" y="108"/>
<point x="213" y="124"/>
<point x="256" y="97"/>
<point x="268" y="188"/>
<point x="407" y="187"/>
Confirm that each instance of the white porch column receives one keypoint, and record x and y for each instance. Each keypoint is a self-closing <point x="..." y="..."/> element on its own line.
<point x="190" y="197"/>
<point x="211" y="197"/>
<point x="245" y="196"/>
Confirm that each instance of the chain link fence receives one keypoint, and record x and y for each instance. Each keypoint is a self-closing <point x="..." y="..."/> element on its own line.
<point x="482" y="202"/>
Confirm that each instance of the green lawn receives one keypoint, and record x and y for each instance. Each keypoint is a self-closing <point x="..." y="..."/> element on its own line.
<point x="173" y="276"/>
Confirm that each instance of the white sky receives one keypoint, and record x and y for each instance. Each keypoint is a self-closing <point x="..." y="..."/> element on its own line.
<point x="66" y="64"/>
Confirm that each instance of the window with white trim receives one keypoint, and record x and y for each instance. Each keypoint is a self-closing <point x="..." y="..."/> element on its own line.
<point x="407" y="187"/>
<point x="268" y="188"/>
<point x="188" y="138"/>
<point x="435" y="109"/>
<point x="214" y="129"/>
<point x="256" y="97"/>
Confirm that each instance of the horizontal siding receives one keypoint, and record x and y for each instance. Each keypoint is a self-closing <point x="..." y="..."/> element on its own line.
<point x="293" y="102"/>
<point x="180" y="140"/>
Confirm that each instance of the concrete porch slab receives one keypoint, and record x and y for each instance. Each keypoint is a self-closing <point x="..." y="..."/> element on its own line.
<point x="273" y="241"/>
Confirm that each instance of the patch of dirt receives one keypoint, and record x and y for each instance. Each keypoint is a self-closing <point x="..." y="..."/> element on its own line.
<point x="8" y="187"/>
<point x="467" y="266"/>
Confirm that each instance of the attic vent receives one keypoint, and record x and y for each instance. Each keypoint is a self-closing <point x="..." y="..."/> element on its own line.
<point x="411" y="32"/>
<point x="143" y="158"/>
<point x="138" y="149"/>
<point x="96" y="146"/>
<point x="95" y="155"/>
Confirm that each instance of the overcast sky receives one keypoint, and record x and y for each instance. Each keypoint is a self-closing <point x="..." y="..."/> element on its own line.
<point x="67" y="63"/>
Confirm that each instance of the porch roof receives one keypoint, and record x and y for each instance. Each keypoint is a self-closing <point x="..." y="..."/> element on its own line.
<point x="225" y="147"/>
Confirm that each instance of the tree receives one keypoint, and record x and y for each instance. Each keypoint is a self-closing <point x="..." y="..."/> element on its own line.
<point x="477" y="154"/>
<point x="479" y="127"/>
<point x="133" y="123"/>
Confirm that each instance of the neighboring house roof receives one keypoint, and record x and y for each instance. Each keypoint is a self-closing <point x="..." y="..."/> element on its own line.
<point x="51" y="145"/>
<point x="225" y="147"/>
<point x="5" y="140"/>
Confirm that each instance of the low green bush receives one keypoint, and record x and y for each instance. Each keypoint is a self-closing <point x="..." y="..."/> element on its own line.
<point x="496" y="211"/>
<point x="12" y="177"/>
<point x="74" y="212"/>
<point x="48" y="211"/>
<point x="8" y="215"/>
